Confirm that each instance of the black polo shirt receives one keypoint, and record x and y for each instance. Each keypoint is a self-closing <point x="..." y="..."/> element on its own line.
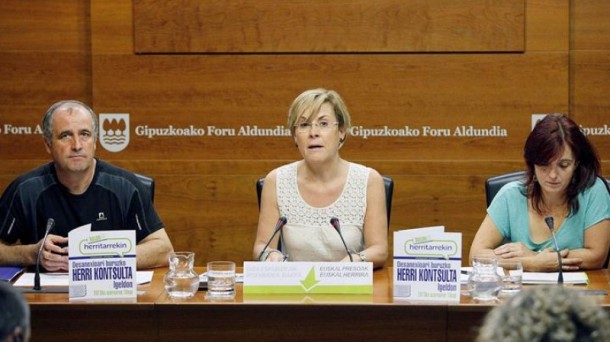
<point x="115" y="200"/>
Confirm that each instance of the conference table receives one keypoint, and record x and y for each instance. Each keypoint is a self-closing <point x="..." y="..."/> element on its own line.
<point x="154" y="316"/>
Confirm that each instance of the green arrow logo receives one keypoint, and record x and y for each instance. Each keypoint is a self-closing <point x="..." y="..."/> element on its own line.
<point x="310" y="280"/>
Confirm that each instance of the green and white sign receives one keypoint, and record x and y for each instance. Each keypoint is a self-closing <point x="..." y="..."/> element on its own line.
<point x="308" y="277"/>
<point x="102" y="264"/>
<point x="427" y="263"/>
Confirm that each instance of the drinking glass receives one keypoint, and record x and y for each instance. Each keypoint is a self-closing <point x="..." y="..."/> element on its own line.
<point x="221" y="278"/>
<point x="511" y="272"/>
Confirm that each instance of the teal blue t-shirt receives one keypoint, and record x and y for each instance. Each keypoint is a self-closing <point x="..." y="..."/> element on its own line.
<point x="509" y="212"/>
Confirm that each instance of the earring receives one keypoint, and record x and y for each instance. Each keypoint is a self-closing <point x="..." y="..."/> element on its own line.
<point x="535" y="179"/>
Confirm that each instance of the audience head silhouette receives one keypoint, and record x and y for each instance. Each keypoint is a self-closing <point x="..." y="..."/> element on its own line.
<point x="547" y="313"/>
<point x="14" y="315"/>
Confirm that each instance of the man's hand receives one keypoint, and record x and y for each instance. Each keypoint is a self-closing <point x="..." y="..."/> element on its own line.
<point x="54" y="254"/>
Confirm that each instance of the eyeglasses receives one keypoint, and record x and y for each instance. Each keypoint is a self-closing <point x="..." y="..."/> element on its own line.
<point x="323" y="126"/>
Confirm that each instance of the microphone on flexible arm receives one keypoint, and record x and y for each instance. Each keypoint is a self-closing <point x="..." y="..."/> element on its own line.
<point x="50" y="224"/>
<point x="37" y="288"/>
<point x="335" y="223"/>
<point x="278" y="226"/>
<point x="550" y="223"/>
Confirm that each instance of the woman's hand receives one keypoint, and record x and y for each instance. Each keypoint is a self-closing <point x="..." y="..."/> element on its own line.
<point x="546" y="261"/>
<point x="513" y="250"/>
<point x="543" y="261"/>
<point x="275" y="256"/>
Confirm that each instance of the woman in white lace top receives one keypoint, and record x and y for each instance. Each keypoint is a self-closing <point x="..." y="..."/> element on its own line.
<point x="320" y="187"/>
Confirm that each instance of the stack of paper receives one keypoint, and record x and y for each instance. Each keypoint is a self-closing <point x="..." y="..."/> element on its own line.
<point x="62" y="279"/>
<point x="551" y="278"/>
<point x="575" y="278"/>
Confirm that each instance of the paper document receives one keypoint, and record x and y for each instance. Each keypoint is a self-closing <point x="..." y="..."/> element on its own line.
<point x="62" y="279"/>
<point x="576" y="278"/>
<point x="551" y="278"/>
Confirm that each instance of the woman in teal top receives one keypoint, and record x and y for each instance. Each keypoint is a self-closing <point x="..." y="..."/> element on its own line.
<point x="562" y="181"/>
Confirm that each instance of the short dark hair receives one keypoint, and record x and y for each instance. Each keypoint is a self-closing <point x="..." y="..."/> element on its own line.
<point x="547" y="141"/>
<point x="14" y="312"/>
<point x="47" y="120"/>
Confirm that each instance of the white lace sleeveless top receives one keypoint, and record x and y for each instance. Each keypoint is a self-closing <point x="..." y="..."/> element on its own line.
<point x="308" y="235"/>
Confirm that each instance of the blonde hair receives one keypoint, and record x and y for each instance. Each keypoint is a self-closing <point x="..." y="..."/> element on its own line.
<point x="309" y="102"/>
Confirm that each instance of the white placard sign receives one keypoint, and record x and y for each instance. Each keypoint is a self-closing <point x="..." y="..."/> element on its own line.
<point x="308" y="277"/>
<point x="427" y="263"/>
<point x="102" y="264"/>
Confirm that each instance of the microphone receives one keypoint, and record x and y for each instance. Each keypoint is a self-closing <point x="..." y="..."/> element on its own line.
<point x="50" y="224"/>
<point x="278" y="226"/>
<point x="550" y="223"/>
<point x="335" y="223"/>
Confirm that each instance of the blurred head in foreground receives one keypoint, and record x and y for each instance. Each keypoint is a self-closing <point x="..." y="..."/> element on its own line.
<point x="547" y="313"/>
<point x="14" y="315"/>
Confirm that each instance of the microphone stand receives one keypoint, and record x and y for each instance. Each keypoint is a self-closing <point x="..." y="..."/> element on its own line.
<point x="550" y="223"/>
<point x="278" y="226"/>
<point x="335" y="223"/>
<point x="50" y="224"/>
<point x="37" y="287"/>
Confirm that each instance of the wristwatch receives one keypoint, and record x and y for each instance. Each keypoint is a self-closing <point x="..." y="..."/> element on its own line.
<point x="362" y="256"/>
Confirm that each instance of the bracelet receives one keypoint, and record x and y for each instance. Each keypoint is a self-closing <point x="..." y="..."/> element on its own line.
<point x="265" y="255"/>
<point x="267" y="252"/>
<point x="362" y="256"/>
<point x="284" y="256"/>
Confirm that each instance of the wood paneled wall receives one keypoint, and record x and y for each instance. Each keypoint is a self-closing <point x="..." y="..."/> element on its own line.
<point x="416" y="64"/>
<point x="328" y="26"/>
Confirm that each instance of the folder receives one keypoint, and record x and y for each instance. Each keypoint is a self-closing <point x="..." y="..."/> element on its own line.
<point x="9" y="273"/>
